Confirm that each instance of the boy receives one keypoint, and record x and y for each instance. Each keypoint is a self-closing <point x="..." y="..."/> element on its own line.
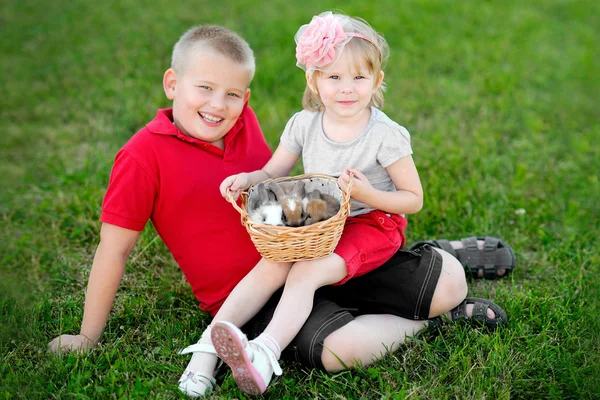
<point x="170" y="171"/>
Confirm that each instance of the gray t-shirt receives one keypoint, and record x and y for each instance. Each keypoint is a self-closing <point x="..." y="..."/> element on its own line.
<point x="382" y="143"/>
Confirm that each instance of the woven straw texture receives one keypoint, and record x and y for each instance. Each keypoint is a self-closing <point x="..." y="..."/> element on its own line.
<point x="291" y="244"/>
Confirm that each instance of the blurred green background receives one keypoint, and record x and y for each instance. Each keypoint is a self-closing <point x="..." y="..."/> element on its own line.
<point x="501" y="99"/>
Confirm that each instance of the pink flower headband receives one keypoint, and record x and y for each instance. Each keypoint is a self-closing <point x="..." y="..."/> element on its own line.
<point x="320" y="42"/>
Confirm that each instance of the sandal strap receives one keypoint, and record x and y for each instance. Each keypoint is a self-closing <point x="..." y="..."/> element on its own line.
<point x="270" y="356"/>
<point x="199" y="348"/>
<point x="445" y="245"/>
<point x="490" y="258"/>
<point x="195" y="376"/>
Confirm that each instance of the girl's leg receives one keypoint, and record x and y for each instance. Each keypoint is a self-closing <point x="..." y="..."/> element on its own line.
<point x="296" y="301"/>
<point x="253" y="292"/>
<point x="254" y="363"/>
<point x="369" y="337"/>
<point x="246" y="299"/>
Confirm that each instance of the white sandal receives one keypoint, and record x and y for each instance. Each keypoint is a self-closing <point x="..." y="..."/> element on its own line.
<point x="196" y="383"/>
<point x="252" y="363"/>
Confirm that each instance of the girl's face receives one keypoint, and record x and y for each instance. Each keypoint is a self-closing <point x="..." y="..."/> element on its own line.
<point x="346" y="87"/>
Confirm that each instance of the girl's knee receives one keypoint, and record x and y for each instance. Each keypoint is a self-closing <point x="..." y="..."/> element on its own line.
<point x="324" y="271"/>
<point x="274" y="272"/>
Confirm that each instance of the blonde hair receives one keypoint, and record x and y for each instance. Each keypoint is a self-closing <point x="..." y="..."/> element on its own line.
<point x="216" y="38"/>
<point x="373" y="52"/>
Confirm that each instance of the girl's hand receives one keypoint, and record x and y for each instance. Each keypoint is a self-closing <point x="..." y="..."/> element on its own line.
<point x="235" y="184"/>
<point x="361" y="184"/>
<point x="65" y="343"/>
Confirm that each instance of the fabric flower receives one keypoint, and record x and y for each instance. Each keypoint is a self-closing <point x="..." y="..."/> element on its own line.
<point x="317" y="46"/>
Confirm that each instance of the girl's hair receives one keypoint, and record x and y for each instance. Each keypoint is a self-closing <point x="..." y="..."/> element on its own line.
<point x="370" y="49"/>
<point x="216" y="38"/>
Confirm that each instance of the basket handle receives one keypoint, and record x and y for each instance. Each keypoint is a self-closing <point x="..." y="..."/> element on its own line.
<point x="229" y="198"/>
<point x="350" y="183"/>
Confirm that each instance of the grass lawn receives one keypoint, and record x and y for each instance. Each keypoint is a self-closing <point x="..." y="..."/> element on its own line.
<point x="500" y="97"/>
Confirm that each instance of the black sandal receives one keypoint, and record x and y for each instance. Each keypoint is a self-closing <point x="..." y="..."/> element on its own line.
<point x="479" y="317"/>
<point x="495" y="255"/>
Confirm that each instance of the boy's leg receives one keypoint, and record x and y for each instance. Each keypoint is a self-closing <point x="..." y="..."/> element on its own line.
<point x="369" y="337"/>
<point x="414" y="284"/>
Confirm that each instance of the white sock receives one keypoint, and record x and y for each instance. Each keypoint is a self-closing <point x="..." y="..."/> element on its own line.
<point x="270" y="342"/>
<point x="204" y="362"/>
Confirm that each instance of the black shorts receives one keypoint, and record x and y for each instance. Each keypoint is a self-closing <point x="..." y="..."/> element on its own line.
<point x="403" y="286"/>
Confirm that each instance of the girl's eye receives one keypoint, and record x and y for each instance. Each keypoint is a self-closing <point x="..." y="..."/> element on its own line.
<point x="360" y="77"/>
<point x="334" y="77"/>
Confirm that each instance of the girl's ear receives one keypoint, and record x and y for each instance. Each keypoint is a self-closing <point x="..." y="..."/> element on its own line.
<point x="310" y="81"/>
<point x="379" y="81"/>
<point x="169" y="82"/>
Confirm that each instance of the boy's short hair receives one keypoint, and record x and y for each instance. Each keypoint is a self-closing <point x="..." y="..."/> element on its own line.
<point x="216" y="38"/>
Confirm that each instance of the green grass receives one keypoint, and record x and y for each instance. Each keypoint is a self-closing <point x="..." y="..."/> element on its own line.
<point x="501" y="99"/>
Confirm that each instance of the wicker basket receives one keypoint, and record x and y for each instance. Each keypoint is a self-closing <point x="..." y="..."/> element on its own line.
<point x="291" y="244"/>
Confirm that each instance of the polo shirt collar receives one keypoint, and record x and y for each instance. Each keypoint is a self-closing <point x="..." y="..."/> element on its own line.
<point x="163" y="124"/>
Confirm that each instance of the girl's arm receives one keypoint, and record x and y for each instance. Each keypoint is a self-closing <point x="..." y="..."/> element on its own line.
<point x="408" y="197"/>
<point x="107" y="270"/>
<point x="280" y="164"/>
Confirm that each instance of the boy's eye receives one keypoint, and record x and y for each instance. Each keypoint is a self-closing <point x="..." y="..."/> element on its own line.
<point x="233" y="95"/>
<point x="204" y="87"/>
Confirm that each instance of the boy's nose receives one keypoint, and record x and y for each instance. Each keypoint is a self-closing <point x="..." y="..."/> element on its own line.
<point x="217" y="103"/>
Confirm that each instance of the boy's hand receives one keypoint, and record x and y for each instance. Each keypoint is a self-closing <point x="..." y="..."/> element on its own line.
<point x="65" y="343"/>
<point x="360" y="186"/>
<point x="235" y="184"/>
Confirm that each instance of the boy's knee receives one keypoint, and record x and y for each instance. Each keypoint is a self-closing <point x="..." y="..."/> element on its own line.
<point x="338" y="352"/>
<point x="451" y="288"/>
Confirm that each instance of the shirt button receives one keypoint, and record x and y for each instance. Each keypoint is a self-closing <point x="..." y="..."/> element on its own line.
<point x="363" y="257"/>
<point x="381" y="220"/>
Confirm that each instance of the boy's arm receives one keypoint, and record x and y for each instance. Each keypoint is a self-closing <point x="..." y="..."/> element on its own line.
<point x="107" y="270"/>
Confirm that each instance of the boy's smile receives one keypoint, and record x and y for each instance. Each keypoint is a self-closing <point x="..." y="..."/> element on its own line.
<point x="208" y="96"/>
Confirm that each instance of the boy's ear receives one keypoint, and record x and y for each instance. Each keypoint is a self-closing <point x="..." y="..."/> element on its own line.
<point x="310" y="81"/>
<point x="247" y="95"/>
<point x="169" y="82"/>
<point x="379" y="81"/>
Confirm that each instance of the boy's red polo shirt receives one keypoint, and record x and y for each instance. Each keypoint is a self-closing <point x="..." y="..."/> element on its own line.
<point x="173" y="180"/>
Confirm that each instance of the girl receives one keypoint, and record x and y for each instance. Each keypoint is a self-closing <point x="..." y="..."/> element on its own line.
<point x="341" y="132"/>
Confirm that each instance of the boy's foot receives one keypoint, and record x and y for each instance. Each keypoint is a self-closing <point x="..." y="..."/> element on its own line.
<point x="483" y="256"/>
<point x="480" y="311"/>
<point x="252" y="363"/>
<point x="198" y="379"/>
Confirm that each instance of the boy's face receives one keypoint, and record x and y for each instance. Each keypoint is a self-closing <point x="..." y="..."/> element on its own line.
<point x="208" y="96"/>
